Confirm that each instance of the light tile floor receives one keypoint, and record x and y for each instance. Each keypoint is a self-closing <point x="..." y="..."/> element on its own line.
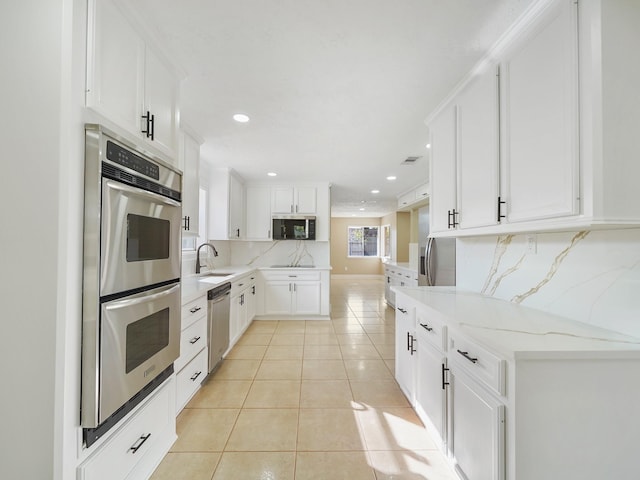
<point x="308" y="400"/>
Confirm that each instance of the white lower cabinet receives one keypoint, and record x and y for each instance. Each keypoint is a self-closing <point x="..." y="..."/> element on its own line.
<point x="430" y="389"/>
<point x="476" y="429"/>
<point x="509" y="403"/>
<point x="242" y="308"/>
<point x="406" y="348"/>
<point x="189" y="379"/>
<point x="191" y="366"/>
<point x="295" y="293"/>
<point x="134" y="450"/>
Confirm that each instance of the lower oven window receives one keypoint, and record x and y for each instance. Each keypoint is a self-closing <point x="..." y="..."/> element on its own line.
<point x="147" y="238"/>
<point x="146" y="337"/>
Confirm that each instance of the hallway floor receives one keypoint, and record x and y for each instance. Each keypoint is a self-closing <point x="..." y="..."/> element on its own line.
<point x="308" y="400"/>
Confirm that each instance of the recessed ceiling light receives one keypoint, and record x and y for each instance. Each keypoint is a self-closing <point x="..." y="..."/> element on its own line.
<point x="375" y="191"/>
<point x="272" y="174"/>
<point x="241" y="117"/>
<point x="391" y="177"/>
<point x="428" y="145"/>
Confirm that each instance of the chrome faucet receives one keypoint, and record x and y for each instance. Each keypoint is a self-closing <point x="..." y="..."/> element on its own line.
<point x="215" y="254"/>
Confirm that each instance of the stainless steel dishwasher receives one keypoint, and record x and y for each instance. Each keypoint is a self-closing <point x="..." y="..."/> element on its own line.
<point x="218" y="319"/>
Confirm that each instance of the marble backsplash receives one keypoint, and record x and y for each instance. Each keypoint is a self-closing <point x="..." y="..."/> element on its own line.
<point x="590" y="276"/>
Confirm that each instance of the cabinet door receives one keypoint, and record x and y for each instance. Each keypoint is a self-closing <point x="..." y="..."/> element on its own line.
<point x="405" y="349"/>
<point x="282" y="200"/>
<point x="539" y="81"/>
<point x="258" y="213"/>
<point x="430" y="389"/>
<point x="190" y="154"/>
<point x="476" y="429"/>
<point x="443" y="169"/>
<point x="478" y="179"/>
<point x="115" y="66"/>
<point x="277" y="297"/>
<point x="306" y="298"/>
<point x="161" y="95"/>
<point x="236" y="208"/>
<point x="305" y="200"/>
<point x="236" y="321"/>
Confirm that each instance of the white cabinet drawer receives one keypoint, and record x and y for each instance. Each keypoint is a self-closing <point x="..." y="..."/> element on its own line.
<point x="478" y="362"/>
<point x="192" y="340"/>
<point x="292" y="275"/>
<point x="117" y="457"/>
<point x="194" y="310"/>
<point x="242" y="283"/>
<point x="190" y="378"/>
<point x="430" y="329"/>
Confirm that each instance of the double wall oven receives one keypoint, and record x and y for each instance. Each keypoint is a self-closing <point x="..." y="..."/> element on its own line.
<point x="131" y="296"/>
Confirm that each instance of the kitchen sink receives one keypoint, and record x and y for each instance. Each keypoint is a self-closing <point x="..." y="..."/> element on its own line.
<point x="216" y="274"/>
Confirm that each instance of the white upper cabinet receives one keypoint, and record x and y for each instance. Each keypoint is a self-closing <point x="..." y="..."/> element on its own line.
<point x="477" y="148"/>
<point x="127" y="77"/>
<point x="226" y="205"/>
<point x="567" y="156"/>
<point x="258" y="212"/>
<point x="540" y="118"/>
<point x="443" y="170"/>
<point x="298" y="199"/>
<point x="190" y="166"/>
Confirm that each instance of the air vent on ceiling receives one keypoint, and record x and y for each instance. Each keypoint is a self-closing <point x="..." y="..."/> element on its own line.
<point x="409" y="161"/>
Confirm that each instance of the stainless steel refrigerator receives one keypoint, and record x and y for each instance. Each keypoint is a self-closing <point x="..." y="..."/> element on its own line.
<point x="437" y="255"/>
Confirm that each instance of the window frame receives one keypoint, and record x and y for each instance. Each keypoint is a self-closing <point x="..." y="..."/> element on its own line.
<point x="362" y="227"/>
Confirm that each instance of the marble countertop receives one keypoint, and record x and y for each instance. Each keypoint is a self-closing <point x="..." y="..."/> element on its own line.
<point x="519" y="332"/>
<point x="195" y="286"/>
<point x="403" y="265"/>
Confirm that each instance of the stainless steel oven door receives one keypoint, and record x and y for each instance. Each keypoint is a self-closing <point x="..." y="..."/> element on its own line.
<point x="139" y="338"/>
<point x="140" y="244"/>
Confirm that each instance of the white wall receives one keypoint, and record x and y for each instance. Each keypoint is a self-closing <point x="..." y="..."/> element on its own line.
<point x="38" y="237"/>
<point x="591" y="276"/>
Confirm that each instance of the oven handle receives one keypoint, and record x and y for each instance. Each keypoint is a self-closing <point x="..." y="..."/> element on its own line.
<point x="139" y="192"/>
<point x="144" y="297"/>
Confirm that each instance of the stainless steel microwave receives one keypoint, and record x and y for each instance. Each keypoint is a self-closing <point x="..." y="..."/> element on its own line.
<point x="289" y="227"/>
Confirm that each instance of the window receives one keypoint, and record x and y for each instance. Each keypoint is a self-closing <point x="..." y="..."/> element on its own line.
<point x="386" y="241"/>
<point x="363" y="242"/>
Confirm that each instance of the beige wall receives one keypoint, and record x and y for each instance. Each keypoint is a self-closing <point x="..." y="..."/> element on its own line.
<point x="340" y="262"/>
<point x="400" y="223"/>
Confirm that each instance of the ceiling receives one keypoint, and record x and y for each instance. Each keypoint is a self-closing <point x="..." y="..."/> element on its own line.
<point x="337" y="90"/>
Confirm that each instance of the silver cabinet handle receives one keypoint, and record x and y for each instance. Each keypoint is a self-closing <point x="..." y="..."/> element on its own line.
<point x="194" y="340"/>
<point x="136" y="446"/>
<point x="426" y="327"/>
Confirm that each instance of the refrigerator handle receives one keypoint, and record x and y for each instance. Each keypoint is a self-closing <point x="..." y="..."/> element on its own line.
<point x="428" y="262"/>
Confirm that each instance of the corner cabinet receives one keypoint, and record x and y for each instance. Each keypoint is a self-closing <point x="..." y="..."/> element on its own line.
<point x="258" y="200"/>
<point x="130" y="82"/>
<point x="226" y="205"/>
<point x="555" y="153"/>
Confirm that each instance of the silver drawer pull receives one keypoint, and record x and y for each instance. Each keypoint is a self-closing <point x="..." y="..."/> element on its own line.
<point x="195" y="309"/>
<point x="426" y="327"/>
<point x="194" y="340"/>
<point x="196" y="375"/>
<point x="139" y="442"/>
<point x="293" y="276"/>
<point x="466" y="355"/>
